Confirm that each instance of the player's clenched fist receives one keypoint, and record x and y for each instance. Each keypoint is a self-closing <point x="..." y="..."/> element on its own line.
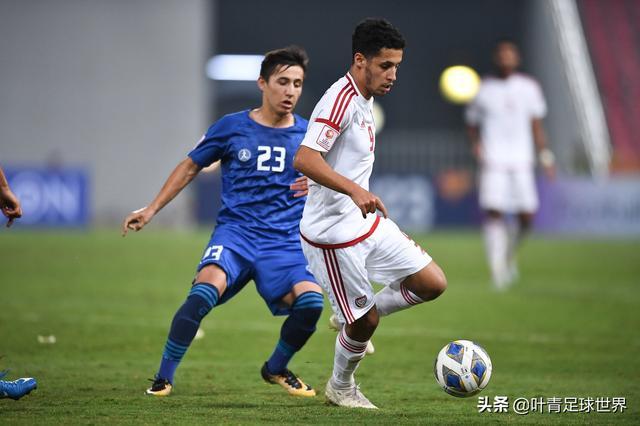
<point x="137" y="220"/>
<point x="9" y="205"/>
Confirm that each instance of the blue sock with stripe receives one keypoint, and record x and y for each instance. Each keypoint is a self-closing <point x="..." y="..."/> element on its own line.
<point x="202" y="298"/>
<point x="296" y="330"/>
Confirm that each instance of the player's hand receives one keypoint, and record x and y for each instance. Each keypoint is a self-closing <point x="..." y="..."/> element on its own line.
<point x="368" y="202"/>
<point x="137" y="220"/>
<point x="300" y="186"/>
<point x="550" y="171"/>
<point x="10" y="206"/>
<point x="476" y="151"/>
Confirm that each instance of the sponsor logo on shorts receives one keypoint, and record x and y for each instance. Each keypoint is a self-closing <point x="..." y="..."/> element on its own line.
<point x="361" y="301"/>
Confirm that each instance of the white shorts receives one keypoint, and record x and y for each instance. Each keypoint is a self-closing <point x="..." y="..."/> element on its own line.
<point x="508" y="191"/>
<point x="386" y="257"/>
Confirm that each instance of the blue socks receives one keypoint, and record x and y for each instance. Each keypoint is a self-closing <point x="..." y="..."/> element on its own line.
<point x="202" y="298"/>
<point x="296" y="330"/>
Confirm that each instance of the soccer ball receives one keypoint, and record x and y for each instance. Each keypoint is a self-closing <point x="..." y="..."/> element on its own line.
<point x="462" y="368"/>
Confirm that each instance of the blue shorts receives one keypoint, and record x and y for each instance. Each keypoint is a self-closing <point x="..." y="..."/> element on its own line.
<point x="275" y="265"/>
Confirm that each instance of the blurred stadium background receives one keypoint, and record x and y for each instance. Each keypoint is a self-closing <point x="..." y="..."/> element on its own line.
<point x="99" y="99"/>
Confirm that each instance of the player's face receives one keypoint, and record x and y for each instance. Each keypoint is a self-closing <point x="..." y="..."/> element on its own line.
<point x="381" y="71"/>
<point x="506" y="57"/>
<point x="283" y="89"/>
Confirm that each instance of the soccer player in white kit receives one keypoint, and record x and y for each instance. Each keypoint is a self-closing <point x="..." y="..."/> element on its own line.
<point x="345" y="242"/>
<point x="504" y="122"/>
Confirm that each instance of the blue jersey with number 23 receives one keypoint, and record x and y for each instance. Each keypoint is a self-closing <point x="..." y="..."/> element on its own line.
<point x="257" y="169"/>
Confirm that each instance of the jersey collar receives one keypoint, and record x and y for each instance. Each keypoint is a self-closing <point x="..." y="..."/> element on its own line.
<point x="359" y="97"/>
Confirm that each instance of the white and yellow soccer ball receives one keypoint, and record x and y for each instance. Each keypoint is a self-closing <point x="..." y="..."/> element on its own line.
<point x="462" y="368"/>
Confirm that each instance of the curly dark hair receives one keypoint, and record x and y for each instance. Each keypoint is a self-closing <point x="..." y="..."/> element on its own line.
<point x="288" y="56"/>
<point x="373" y="35"/>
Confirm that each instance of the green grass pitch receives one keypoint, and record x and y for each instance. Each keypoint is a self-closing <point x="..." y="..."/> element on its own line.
<point x="570" y="328"/>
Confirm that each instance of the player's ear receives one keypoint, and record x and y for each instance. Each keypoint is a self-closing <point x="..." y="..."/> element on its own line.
<point x="360" y="60"/>
<point x="262" y="83"/>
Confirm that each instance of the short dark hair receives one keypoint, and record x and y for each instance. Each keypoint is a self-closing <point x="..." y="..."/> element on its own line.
<point x="374" y="34"/>
<point x="288" y="56"/>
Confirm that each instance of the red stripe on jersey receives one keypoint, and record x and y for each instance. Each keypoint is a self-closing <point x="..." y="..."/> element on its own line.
<point x="335" y="103"/>
<point x="348" y="243"/>
<point x="350" y="80"/>
<point x="340" y="299"/>
<point x="344" y="103"/>
<point x="340" y="285"/>
<point x="334" y="126"/>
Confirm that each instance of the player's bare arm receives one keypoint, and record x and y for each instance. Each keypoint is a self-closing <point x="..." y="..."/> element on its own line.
<point x="9" y="203"/>
<point x="473" y="133"/>
<point x="311" y="163"/>
<point x="179" y="178"/>
<point x="547" y="159"/>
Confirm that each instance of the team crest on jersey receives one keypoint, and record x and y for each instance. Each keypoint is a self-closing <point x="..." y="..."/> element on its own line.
<point x="327" y="137"/>
<point x="361" y="301"/>
<point x="244" y="155"/>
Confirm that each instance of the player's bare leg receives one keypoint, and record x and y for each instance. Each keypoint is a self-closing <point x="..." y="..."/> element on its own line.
<point x="214" y="275"/>
<point x="428" y="283"/>
<point x="298" y="289"/>
<point x="424" y="285"/>
<point x="522" y="228"/>
<point x="351" y="345"/>
<point x="306" y="302"/>
<point x="336" y="325"/>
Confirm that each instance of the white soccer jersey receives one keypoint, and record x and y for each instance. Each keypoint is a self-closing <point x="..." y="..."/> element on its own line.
<point x="342" y="129"/>
<point x="504" y="109"/>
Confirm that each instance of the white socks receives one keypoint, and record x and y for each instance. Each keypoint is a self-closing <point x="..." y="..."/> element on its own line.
<point x="348" y="354"/>
<point x="496" y="237"/>
<point x="515" y="237"/>
<point x="389" y="300"/>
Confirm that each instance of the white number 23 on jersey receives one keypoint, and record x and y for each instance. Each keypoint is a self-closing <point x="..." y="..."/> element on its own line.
<point x="279" y="155"/>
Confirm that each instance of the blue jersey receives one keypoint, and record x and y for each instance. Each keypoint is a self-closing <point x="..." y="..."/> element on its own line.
<point x="257" y="169"/>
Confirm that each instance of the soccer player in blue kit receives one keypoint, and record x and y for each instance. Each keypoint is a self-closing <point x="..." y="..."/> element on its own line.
<point x="256" y="237"/>
<point x="10" y="207"/>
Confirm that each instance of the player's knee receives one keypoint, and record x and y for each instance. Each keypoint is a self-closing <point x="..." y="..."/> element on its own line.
<point x="363" y="328"/>
<point x="307" y="308"/>
<point x="213" y="275"/>
<point x="493" y="214"/>
<point x="429" y="283"/>
<point x="434" y="285"/>
<point x="438" y="281"/>
<point x="371" y="320"/>
<point x="438" y="284"/>
<point x="525" y="221"/>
